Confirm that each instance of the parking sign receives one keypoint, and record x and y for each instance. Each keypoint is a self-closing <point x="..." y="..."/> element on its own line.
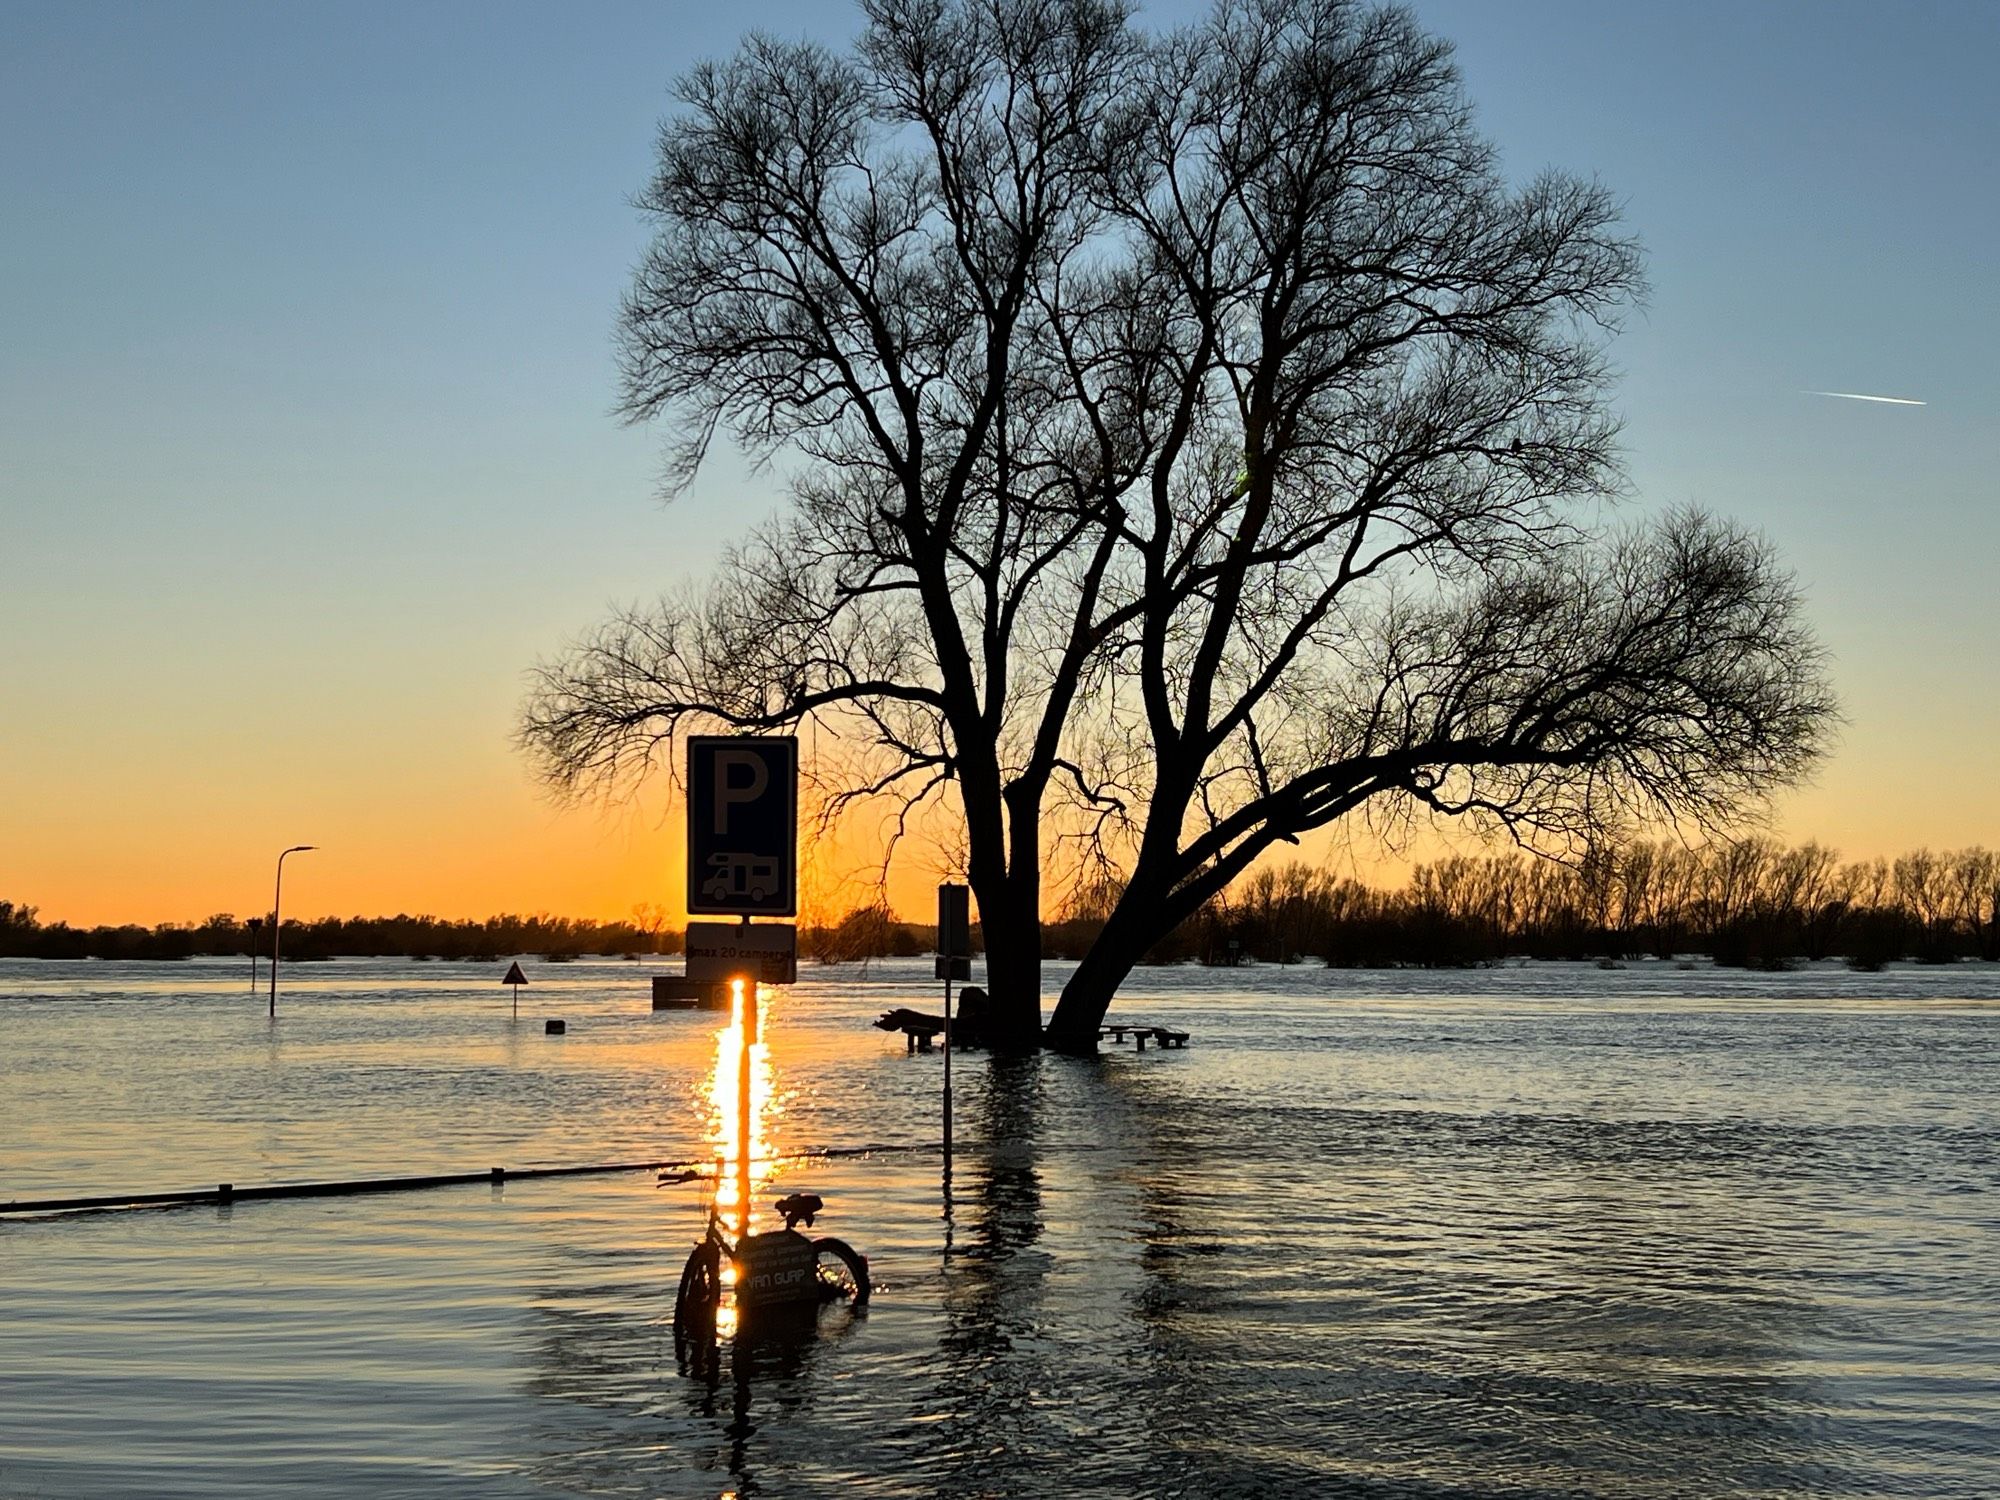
<point x="743" y="826"/>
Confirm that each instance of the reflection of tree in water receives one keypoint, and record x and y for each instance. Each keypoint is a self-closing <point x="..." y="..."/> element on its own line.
<point x="997" y="1196"/>
<point x="1040" y="1386"/>
<point x="993" y="1280"/>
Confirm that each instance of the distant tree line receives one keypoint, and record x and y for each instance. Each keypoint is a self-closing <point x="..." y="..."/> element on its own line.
<point x="868" y="931"/>
<point x="1753" y="903"/>
<point x="22" y="935"/>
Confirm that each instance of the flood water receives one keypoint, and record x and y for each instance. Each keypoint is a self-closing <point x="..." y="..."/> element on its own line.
<point x="1538" y="1231"/>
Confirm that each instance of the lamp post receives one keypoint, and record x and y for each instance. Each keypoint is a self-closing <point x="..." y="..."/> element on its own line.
<point x="278" y="921"/>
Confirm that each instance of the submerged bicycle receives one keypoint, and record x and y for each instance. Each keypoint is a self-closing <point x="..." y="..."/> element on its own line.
<point x="779" y="1270"/>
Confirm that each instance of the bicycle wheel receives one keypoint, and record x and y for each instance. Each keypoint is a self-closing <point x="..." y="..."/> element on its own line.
<point x="842" y="1272"/>
<point x="700" y="1291"/>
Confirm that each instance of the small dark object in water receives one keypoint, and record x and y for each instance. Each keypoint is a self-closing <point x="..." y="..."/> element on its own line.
<point x="677" y="992"/>
<point x="554" y="1028"/>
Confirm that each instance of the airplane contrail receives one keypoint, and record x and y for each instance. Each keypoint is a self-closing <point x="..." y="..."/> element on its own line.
<point x="1857" y="396"/>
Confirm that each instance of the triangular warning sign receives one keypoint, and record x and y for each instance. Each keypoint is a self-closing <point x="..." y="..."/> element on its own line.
<point x="514" y="974"/>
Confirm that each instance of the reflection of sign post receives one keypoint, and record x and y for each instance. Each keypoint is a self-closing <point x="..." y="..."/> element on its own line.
<point x="743" y="826"/>
<point x="954" y="961"/>
<point x="720" y="951"/>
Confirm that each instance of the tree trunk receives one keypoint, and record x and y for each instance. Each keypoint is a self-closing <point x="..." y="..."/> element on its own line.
<point x="1088" y="995"/>
<point x="1012" y="931"/>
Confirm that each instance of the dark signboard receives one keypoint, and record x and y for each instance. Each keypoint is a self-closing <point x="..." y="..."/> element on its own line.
<point x="954" y="939"/>
<point x="743" y="826"/>
<point x="775" y="1268"/>
<point x="722" y="951"/>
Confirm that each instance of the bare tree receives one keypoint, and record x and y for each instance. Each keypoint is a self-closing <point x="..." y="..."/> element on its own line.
<point x="1976" y="884"/>
<point x="1195" y="442"/>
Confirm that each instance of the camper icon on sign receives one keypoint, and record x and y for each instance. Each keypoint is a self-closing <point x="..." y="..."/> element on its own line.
<point x="747" y="876"/>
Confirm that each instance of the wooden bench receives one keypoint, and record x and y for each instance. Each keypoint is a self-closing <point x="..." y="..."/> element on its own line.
<point x="1165" y="1036"/>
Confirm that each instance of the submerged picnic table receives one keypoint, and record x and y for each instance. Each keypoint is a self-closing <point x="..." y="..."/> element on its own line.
<point x="921" y="1030"/>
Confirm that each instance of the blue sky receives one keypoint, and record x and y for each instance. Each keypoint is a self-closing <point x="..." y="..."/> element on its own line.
<point x="305" y="379"/>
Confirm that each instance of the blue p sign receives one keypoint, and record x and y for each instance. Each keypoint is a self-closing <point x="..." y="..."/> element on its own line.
<point x="743" y="825"/>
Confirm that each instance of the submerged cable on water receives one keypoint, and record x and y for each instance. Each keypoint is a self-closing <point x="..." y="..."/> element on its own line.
<point x="685" y="1169"/>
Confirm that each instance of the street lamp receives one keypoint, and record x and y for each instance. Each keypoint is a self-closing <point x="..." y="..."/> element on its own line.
<point x="278" y="921"/>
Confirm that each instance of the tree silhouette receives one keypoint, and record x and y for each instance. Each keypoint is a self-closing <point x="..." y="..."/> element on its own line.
<point x="1194" y="441"/>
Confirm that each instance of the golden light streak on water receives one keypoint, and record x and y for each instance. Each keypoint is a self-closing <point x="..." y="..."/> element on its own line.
<point x="726" y="1124"/>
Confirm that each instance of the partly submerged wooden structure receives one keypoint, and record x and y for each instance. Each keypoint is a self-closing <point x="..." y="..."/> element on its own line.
<point x="921" y="1029"/>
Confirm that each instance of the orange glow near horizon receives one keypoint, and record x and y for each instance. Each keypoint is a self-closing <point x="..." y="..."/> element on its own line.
<point x="181" y="837"/>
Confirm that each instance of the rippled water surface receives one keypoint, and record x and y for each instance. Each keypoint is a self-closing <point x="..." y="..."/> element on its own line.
<point x="1545" y="1231"/>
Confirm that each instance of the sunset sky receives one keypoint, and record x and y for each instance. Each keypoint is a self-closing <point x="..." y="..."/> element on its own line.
<point x="306" y="372"/>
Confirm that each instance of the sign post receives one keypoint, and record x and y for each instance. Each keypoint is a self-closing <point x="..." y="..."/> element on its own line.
<point x="514" y="980"/>
<point x="743" y="862"/>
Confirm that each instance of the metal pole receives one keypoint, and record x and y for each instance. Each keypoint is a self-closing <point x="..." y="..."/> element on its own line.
<point x="947" y="1068"/>
<point x="278" y="920"/>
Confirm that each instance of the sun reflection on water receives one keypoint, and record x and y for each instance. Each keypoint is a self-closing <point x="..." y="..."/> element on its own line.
<point x="737" y="1166"/>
